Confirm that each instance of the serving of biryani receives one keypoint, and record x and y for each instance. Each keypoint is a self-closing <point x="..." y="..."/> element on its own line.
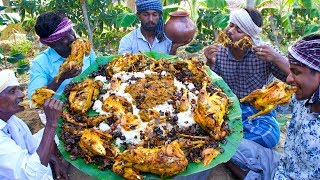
<point x="139" y="115"/>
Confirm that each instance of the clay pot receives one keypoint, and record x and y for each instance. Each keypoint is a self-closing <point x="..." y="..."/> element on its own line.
<point x="180" y="28"/>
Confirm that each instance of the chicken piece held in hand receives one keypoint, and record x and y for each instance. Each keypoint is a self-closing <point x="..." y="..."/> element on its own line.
<point x="268" y="97"/>
<point x="39" y="96"/>
<point x="79" y="48"/>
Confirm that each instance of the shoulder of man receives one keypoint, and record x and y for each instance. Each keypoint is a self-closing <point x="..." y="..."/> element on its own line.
<point x="131" y="35"/>
<point x="16" y="120"/>
<point x="43" y="55"/>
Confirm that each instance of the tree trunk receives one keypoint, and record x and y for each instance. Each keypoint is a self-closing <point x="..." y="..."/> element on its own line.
<point x="86" y="21"/>
<point x="132" y="5"/>
<point x="6" y="3"/>
<point x="250" y="3"/>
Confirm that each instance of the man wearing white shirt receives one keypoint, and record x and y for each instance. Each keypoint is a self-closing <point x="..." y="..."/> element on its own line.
<point x="22" y="156"/>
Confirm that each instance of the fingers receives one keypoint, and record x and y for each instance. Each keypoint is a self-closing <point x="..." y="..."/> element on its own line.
<point x="77" y="71"/>
<point x="64" y="166"/>
<point x="71" y="73"/>
<point x="53" y="104"/>
<point x="61" y="172"/>
<point x="46" y="103"/>
<point x="57" y="171"/>
<point x="211" y="53"/>
<point x="262" y="49"/>
<point x="264" y="52"/>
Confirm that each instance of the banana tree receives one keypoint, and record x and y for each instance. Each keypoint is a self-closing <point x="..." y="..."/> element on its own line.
<point x="6" y="18"/>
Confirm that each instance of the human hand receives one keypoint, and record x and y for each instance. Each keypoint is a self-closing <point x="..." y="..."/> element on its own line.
<point x="70" y="73"/>
<point x="266" y="53"/>
<point x="175" y="46"/>
<point x="53" y="109"/>
<point x="211" y="54"/>
<point x="59" y="167"/>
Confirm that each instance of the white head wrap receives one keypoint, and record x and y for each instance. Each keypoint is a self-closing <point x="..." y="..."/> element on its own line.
<point x="7" y="78"/>
<point x="243" y="20"/>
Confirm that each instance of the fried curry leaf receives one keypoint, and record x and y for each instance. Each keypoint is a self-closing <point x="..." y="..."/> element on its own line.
<point x="232" y="143"/>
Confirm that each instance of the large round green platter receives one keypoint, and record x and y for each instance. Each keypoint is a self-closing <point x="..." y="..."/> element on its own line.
<point x="232" y="143"/>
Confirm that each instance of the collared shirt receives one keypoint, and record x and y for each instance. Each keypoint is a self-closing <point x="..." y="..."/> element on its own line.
<point x="301" y="158"/>
<point x="135" y="42"/>
<point x="315" y="98"/>
<point x="15" y="161"/>
<point x="46" y="66"/>
<point x="245" y="75"/>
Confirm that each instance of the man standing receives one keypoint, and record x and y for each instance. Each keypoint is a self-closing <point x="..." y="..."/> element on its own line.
<point x="150" y="35"/>
<point x="22" y="156"/>
<point x="54" y="30"/>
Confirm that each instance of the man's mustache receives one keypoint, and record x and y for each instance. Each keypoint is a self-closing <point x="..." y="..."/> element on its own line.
<point x="151" y="23"/>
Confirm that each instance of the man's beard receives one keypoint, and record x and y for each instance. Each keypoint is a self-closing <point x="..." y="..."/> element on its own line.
<point x="149" y="29"/>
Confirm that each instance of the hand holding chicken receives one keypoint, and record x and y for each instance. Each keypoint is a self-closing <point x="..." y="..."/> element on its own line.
<point x="268" y="97"/>
<point x="79" y="48"/>
<point x="40" y="95"/>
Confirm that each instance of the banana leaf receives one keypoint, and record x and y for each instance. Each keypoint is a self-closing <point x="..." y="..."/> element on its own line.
<point x="232" y="141"/>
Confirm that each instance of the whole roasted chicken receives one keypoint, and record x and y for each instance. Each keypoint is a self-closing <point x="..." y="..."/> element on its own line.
<point x="96" y="143"/>
<point x="210" y="110"/>
<point x="167" y="160"/>
<point x="79" y="48"/>
<point x="83" y="94"/>
<point x="268" y="97"/>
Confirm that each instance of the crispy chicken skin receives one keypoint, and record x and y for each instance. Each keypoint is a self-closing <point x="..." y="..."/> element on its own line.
<point x="117" y="105"/>
<point x="268" y="97"/>
<point x="167" y="160"/>
<point x="225" y="41"/>
<point x="96" y="143"/>
<point x="183" y="104"/>
<point x="210" y="110"/>
<point x="83" y="94"/>
<point x="128" y="62"/>
<point x="40" y="95"/>
<point x="208" y="155"/>
<point x="140" y="127"/>
<point x="79" y="48"/>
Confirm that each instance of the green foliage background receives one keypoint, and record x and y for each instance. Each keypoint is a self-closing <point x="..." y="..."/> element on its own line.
<point x="285" y="21"/>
